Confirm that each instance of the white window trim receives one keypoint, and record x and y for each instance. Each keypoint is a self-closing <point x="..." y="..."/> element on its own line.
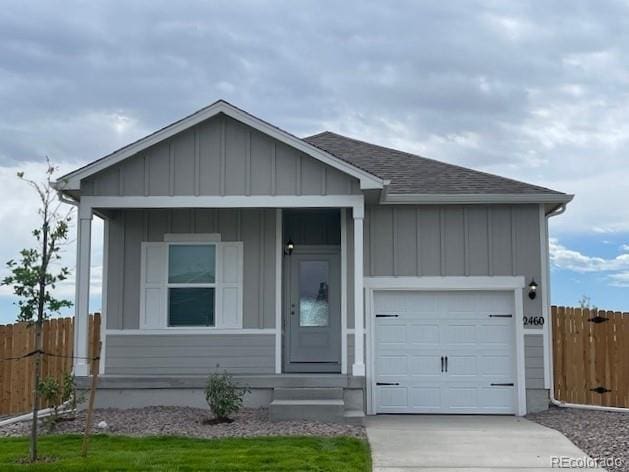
<point x="192" y="237"/>
<point x="515" y="284"/>
<point x="218" y="285"/>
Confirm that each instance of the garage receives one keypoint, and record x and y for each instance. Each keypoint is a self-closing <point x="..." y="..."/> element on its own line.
<point x="444" y="352"/>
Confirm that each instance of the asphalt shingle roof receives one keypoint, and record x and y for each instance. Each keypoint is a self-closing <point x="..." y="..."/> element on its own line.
<point x="412" y="174"/>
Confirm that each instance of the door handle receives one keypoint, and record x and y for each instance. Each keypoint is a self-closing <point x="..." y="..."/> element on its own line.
<point x="441" y="363"/>
<point x="387" y="383"/>
<point x="446" y="363"/>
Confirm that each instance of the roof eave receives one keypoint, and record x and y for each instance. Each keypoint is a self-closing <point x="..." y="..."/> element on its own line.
<point x="474" y="198"/>
<point x="72" y="181"/>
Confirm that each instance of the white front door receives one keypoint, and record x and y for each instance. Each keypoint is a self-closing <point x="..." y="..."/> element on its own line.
<point x="445" y="352"/>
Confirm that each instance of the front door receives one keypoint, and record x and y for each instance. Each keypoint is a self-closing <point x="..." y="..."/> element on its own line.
<point x="313" y="311"/>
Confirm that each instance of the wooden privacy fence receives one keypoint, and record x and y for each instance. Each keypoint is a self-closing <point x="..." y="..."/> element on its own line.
<point x="17" y="340"/>
<point x="591" y="356"/>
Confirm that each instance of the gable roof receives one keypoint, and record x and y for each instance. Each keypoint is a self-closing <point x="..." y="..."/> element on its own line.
<point x="73" y="179"/>
<point x="404" y="177"/>
<point x="413" y="177"/>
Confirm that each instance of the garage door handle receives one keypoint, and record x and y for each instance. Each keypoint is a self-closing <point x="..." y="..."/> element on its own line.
<point x="501" y="316"/>
<point x="446" y="363"/>
<point x="441" y="363"/>
<point x="502" y="385"/>
<point x="387" y="316"/>
<point x="387" y="383"/>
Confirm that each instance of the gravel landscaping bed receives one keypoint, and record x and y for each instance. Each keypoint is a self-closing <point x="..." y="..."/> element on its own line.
<point x="182" y="421"/>
<point x="601" y="434"/>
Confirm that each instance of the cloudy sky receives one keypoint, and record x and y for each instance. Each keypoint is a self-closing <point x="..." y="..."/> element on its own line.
<point x="538" y="91"/>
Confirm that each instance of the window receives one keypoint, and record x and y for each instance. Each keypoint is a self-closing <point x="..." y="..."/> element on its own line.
<point x="191" y="284"/>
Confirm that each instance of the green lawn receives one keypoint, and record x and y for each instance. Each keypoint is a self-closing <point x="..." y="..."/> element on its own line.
<point x="186" y="454"/>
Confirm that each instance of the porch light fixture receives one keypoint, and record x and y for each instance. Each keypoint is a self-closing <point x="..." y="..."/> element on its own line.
<point x="533" y="289"/>
<point x="290" y="245"/>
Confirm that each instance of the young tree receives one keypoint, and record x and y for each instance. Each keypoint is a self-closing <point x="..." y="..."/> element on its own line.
<point x="34" y="276"/>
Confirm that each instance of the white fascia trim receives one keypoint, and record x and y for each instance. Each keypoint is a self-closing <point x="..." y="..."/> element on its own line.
<point x="187" y="331"/>
<point x="272" y="201"/>
<point x="445" y="283"/>
<point x="472" y="198"/>
<point x="72" y="181"/>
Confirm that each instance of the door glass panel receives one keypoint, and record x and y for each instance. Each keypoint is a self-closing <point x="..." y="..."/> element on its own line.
<point x="313" y="293"/>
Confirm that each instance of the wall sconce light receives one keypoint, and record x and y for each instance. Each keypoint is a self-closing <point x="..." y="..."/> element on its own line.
<point x="290" y="245"/>
<point x="533" y="289"/>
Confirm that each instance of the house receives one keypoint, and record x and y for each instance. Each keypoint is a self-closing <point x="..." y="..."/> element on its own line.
<point x="332" y="276"/>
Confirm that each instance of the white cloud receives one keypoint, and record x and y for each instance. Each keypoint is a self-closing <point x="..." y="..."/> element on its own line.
<point x="620" y="280"/>
<point x="565" y="258"/>
<point x="616" y="270"/>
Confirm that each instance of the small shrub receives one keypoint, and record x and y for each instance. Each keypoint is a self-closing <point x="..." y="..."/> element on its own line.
<point x="56" y="394"/>
<point x="223" y="396"/>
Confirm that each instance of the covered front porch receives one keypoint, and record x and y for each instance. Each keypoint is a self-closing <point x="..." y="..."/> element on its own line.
<point x="250" y="328"/>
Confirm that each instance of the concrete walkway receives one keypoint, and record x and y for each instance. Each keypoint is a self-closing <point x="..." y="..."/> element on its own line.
<point x="457" y="443"/>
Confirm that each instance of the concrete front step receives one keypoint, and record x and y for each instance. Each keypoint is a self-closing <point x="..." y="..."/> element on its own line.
<point x="307" y="393"/>
<point x="354" y="417"/>
<point x="330" y="411"/>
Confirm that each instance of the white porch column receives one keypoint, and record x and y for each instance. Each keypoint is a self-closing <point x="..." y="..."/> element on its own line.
<point x="358" y="368"/>
<point x="82" y="298"/>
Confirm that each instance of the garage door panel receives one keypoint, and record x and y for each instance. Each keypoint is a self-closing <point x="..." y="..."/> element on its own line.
<point x="393" y="398"/>
<point x="497" y="334"/>
<point x="429" y="325"/>
<point x="425" y="365"/>
<point x="461" y="397"/>
<point x="497" y="365"/>
<point x="459" y="302"/>
<point x="462" y="366"/>
<point x="497" y="399"/>
<point x="392" y="365"/>
<point x="390" y="301"/>
<point x="425" y="398"/>
<point x="391" y="334"/>
<point x="423" y="333"/>
<point x="502" y="304"/>
<point x="459" y="333"/>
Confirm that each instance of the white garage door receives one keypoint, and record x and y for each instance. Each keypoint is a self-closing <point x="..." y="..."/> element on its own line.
<point x="444" y="352"/>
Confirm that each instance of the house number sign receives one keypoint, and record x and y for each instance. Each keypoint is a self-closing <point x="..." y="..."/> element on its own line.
<point x="534" y="320"/>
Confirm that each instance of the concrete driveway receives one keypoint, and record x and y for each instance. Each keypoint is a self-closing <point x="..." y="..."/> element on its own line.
<point x="456" y="443"/>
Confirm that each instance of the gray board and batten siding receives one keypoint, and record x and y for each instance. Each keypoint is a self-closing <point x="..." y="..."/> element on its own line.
<point x="190" y="354"/>
<point x="220" y="156"/>
<point x="399" y="241"/>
